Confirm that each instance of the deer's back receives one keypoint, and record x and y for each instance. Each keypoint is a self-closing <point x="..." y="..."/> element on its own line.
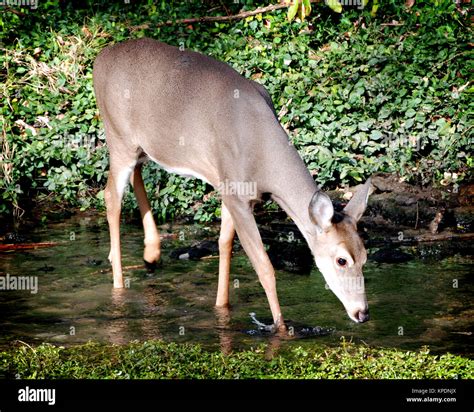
<point x="181" y="104"/>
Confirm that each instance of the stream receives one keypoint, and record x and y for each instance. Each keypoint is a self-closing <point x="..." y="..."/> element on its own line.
<point x="412" y="304"/>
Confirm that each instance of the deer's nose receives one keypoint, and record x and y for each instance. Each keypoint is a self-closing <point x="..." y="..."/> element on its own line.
<point x="363" y="315"/>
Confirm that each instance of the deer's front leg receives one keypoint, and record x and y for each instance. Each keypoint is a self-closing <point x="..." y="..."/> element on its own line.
<point x="251" y="241"/>
<point x="226" y="239"/>
<point x="122" y="163"/>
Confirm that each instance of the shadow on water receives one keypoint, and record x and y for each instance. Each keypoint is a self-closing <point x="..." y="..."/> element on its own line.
<point x="412" y="304"/>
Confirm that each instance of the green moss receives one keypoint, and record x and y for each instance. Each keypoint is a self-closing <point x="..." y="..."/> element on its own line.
<point x="160" y="360"/>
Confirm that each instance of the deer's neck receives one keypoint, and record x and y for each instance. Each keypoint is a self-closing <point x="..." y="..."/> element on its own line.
<point x="294" y="186"/>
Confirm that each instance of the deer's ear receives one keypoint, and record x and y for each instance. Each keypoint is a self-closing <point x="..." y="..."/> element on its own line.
<point x="321" y="210"/>
<point x="357" y="205"/>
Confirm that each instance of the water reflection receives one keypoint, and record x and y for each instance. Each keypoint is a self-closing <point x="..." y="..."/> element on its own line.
<point x="116" y="327"/>
<point x="223" y="328"/>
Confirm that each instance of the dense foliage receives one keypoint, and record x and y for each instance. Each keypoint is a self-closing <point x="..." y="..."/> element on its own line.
<point x="359" y="92"/>
<point x="160" y="360"/>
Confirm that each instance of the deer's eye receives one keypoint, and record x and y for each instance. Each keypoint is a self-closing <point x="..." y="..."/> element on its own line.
<point x="341" y="262"/>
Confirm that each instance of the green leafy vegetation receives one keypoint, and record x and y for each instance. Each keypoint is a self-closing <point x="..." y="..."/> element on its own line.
<point x="359" y="92"/>
<point x="160" y="360"/>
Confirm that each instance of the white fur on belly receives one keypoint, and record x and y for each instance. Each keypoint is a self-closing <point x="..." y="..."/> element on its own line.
<point x="182" y="171"/>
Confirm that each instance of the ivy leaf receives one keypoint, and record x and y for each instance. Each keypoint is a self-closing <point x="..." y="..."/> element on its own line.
<point x="302" y="11"/>
<point x="375" y="7"/>
<point x="364" y="125"/>
<point x="307" y="6"/>
<point x="292" y="10"/>
<point x="376" y="135"/>
<point x="334" y="5"/>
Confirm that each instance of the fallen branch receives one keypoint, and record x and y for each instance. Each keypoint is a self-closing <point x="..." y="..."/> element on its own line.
<point x="8" y="247"/>
<point x="124" y="268"/>
<point x="168" y="236"/>
<point x="443" y="236"/>
<point x="232" y="17"/>
<point x="206" y="19"/>
<point x="11" y="10"/>
<point x="392" y="24"/>
<point x="428" y="237"/>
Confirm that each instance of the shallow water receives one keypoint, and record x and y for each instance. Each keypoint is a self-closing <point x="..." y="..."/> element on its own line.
<point x="412" y="304"/>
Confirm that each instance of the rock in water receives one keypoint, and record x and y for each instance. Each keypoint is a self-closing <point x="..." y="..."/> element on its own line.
<point x="196" y="252"/>
<point x="390" y="255"/>
<point x="292" y="257"/>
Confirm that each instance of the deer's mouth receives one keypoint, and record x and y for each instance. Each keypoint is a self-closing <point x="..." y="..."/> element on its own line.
<point x="360" y="316"/>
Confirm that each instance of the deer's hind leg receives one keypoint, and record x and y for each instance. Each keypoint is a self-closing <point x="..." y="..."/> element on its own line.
<point x="152" y="251"/>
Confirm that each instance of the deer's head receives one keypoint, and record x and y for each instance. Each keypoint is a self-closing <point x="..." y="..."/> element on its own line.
<point x="339" y="251"/>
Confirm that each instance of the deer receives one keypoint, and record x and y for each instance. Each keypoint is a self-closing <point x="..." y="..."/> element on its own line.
<point x="198" y="117"/>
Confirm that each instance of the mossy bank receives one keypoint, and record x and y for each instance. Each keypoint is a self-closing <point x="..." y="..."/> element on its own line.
<point x="160" y="360"/>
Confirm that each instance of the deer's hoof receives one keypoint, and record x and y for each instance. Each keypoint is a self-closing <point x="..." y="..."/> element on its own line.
<point x="151" y="266"/>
